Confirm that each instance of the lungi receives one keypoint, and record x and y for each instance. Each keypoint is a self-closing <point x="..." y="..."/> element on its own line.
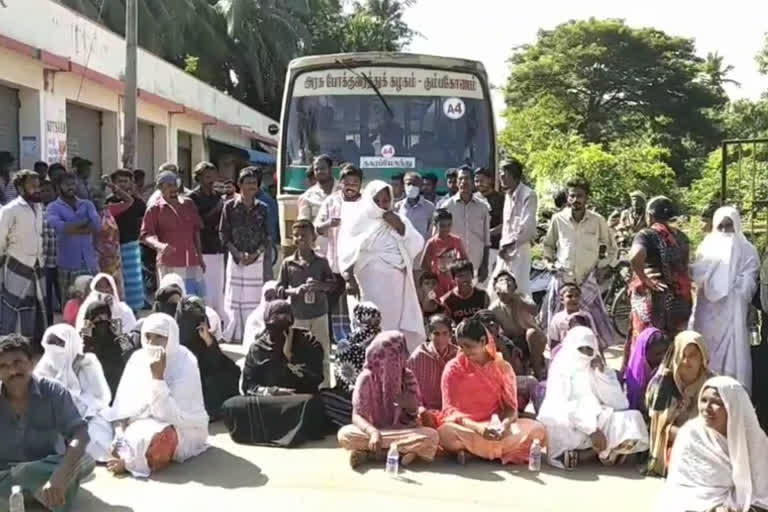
<point x="133" y="277"/>
<point x="22" y="299"/>
<point x="242" y="293"/>
<point x="214" y="281"/>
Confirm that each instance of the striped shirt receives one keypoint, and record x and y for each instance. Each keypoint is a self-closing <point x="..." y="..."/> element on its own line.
<point x="427" y="365"/>
<point x="49" y="244"/>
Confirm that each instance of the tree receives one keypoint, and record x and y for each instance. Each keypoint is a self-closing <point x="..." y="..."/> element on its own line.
<point x="762" y="57"/>
<point x="716" y="71"/>
<point x="616" y="82"/>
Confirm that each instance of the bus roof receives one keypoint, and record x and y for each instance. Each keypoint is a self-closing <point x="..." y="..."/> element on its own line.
<point x="392" y="58"/>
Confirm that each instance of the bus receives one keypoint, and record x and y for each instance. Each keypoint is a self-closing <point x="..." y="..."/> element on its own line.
<point x="388" y="113"/>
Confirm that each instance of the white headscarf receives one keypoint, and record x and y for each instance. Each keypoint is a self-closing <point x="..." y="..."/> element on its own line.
<point x="718" y="254"/>
<point x="254" y="324"/>
<point x="172" y="278"/>
<point x="365" y="221"/>
<point x="214" y="319"/>
<point x="88" y="387"/>
<point x="708" y="470"/>
<point x="120" y="310"/>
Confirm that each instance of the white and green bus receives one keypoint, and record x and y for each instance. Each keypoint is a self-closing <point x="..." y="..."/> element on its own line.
<point x="387" y="113"/>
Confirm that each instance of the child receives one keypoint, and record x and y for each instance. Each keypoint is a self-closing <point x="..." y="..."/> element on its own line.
<point x="570" y="296"/>
<point x="442" y="250"/>
<point x="429" y="359"/>
<point x="306" y="279"/>
<point x="465" y="299"/>
<point x="428" y="297"/>
<point x="516" y="317"/>
<point x="77" y="293"/>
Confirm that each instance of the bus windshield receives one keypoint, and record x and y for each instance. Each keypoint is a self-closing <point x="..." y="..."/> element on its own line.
<point x="425" y="121"/>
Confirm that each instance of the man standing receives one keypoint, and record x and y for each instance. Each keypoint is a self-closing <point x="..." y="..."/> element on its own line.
<point x="328" y="221"/>
<point x="398" y="187"/>
<point x="495" y="200"/>
<point x="129" y="223"/>
<point x="429" y="188"/>
<point x="7" y="190"/>
<point x="180" y="189"/>
<point x="577" y="239"/>
<point x="171" y="227"/>
<point x="41" y="168"/>
<point x="53" y="296"/>
<point x="451" y="183"/>
<point x="82" y="167"/>
<point x="417" y="209"/>
<point x="22" y="294"/>
<point x="245" y="235"/>
<point x="209" y="205"/>
<point x="35" y="415"/>
<point x="632" y="219"/>
<point x="518" y="228"/>
<point x="471" y="222"/>
<point x="75" y="221"/>
<point x="311" y="200"/>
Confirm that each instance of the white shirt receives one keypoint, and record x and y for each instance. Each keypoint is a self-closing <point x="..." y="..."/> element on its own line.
<point x="309" y="206"/>
<point x="21" y="232"/>
<point x="471" y="223"/>
<point x="519" y="218"/>
<point x="577" y="244"/>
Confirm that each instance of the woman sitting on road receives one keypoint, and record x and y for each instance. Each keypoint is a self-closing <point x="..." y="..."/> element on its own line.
<point x="64" y="361"/>
<point x="478" y="384"/>
<point x="103" y="288"/>
<point x="385" y="407"/>
<point x="282" y="372"/>
<point x="673" y="394"/>
<point x="647" y="354"/>
<point x="159" y="408"/>
<point x="585" y="410"/>
<point x="718" y="460"/>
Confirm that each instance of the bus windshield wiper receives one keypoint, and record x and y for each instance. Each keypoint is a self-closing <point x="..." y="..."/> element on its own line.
<point x="369" y="82"/>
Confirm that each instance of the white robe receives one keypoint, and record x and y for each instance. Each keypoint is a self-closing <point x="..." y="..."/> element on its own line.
<point x="580" y="400"/>
<point x="120" y="310"/>
<point x="150" y="405"/>
<point x="707" y="470"/>
<point x="82" y="375"/>
<point x="725" y="273"/>
<point x="383" y="264"/>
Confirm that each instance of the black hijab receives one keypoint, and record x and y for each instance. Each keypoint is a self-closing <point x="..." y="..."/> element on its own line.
<point x="163" y="298"/>
<point x="189" y="315"/>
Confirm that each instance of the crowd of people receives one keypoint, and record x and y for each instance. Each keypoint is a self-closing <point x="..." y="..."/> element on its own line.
<point x="401" y="319"/>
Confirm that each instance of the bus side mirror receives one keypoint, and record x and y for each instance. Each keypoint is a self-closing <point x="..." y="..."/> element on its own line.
<point x="273" y="129"/>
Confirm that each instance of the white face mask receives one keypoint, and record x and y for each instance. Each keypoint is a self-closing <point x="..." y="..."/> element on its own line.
<point x="155" y="352"/>
<point x="412" y="191"/>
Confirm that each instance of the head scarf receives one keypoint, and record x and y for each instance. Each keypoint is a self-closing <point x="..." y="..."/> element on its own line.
<point x="268" y="341"/>
<point x="120" y="311"/>
<point x="639" y="372"/>
<point x="173" y="278"/>
<point x="383" y="380"/>
<point x="82" y="285"/>
<point x="163" y="297"/>
<point x="366" y="323"/>
<point x="708" y="469"/>
<point x="366" y="221"/>
<point x="189" y="315"/>
<point x="254" y="324"/>
<point x="715" y="269"/>
<point x="669" y="399"/>
<point x="96" y="308"/>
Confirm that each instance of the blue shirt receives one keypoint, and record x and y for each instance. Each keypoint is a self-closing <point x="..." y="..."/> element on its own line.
<point x="273" y="215"/>
<point x="75" y="252"/>
<point x="50" y="419"/>
<point x="420" y="215"/>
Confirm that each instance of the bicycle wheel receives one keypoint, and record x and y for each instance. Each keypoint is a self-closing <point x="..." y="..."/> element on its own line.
<point x="620" y="310"/>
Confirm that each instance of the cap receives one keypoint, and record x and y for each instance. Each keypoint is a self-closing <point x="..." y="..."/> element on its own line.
<point x="166" y="177"/>
<point x="637" y="193"/>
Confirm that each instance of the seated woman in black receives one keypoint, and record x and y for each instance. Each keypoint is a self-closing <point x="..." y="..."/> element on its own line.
<point x="101" y="337"/>
<point x="219" y="375"/>
<point x="282" y="372"/>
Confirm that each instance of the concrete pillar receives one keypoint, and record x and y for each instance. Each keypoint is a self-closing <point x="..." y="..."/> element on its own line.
<point x="110" y="142"/>
<point x="161" y="148"/>
<point x="199" y="153"/>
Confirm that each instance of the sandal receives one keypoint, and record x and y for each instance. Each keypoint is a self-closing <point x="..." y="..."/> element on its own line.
<point x="571" y="459"/>
<point x="357" y="458"/>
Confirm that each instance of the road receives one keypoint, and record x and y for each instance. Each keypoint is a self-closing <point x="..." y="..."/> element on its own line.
<point x="317" y="476"/>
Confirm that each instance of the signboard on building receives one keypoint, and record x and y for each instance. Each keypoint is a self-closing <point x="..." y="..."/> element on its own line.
<point x="55" y="138"/>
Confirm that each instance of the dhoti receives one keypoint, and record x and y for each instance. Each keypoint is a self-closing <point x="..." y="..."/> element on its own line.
<point x="242" y="293"/>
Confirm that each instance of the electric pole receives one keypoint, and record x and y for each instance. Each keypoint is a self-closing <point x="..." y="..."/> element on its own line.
<point x="129" y="110"/>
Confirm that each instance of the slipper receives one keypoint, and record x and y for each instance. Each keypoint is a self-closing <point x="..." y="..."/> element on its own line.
<point x="357" y="458"/>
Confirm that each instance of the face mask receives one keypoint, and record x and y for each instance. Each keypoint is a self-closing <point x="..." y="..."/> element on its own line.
<point x="412" y="191"/>
<point x="102" y="328"/>
<point x="155" y="352"/>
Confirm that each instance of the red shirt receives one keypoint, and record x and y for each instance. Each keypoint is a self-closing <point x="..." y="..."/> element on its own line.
<point x="432" y="251"/>
<point x="177" y="225"/>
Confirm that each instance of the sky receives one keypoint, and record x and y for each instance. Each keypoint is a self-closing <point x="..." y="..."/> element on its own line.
<point x="488" y="30"/>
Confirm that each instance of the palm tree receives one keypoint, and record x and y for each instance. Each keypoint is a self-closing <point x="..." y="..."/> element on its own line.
<point x="716" y="71"/>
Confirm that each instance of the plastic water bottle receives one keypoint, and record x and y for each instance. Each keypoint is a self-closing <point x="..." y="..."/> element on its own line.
<point x="393" y="461"/>
<point x="534" y="457"/>
<point x="16" y="502"/>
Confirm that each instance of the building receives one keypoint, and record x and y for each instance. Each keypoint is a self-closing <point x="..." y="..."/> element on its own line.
<point x="62" y="95"/>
